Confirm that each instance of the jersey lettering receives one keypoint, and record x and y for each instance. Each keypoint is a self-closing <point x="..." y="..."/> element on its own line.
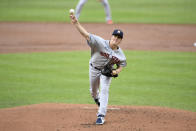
<point x="106" y="55"/>
<point x="114" y="59"/>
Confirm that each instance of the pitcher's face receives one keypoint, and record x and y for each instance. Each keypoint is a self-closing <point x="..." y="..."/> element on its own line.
<point x="115" y="40"/>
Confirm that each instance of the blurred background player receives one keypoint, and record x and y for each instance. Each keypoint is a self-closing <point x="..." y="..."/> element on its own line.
<point x="104" y="3"/>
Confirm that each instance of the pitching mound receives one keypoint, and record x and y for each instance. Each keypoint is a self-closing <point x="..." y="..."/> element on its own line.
<point x="73" y="117"/>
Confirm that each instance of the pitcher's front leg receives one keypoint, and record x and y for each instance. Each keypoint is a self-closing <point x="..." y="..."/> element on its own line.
<point x="104" y="94"/>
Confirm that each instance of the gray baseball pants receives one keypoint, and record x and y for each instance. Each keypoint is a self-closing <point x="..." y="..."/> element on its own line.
<point x="104" y="3"/>
<point x="99" y="88"/>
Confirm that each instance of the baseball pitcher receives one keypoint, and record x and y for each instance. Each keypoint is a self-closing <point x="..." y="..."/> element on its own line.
<point x="104" y="55"/>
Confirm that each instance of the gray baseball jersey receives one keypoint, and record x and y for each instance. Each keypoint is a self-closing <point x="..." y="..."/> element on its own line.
<point x="101" y="53"/>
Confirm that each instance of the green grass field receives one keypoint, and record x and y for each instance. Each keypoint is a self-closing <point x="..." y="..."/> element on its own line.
<point x="123" y="11"/>
<point x="150" y="78"/>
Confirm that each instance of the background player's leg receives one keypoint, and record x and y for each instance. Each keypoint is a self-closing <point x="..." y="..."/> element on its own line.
<point x="79" y="7"/>
<point x="107" y="10"/>
<point x="94" y="78"/>
<point x="104" y="94"/>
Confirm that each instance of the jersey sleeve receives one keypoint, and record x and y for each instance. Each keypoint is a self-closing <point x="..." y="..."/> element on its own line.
<point x="122" y="63"/>
<point x="94" y="40"/>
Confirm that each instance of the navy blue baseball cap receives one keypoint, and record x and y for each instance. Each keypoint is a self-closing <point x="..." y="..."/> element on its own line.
<point x="118" y="33"/>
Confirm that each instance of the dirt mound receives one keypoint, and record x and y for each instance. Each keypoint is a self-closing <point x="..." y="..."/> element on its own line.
<point x="73" y="117"/>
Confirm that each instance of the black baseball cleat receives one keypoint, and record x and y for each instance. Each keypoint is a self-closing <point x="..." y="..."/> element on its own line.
<point x="97" y="102"/>
<point x="100" y="120"/>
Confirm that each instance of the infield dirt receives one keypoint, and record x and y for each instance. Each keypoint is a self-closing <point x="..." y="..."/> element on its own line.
<point x="39" y="37"/>
<point x="42" y="37"/>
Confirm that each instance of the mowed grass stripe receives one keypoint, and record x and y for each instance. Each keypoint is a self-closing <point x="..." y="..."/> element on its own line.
<point x="126" y="11"/>
<point x="150" y="78"/>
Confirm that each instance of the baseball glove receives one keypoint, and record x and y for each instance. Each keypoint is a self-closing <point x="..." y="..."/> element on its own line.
<point x="107" y="71"/>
